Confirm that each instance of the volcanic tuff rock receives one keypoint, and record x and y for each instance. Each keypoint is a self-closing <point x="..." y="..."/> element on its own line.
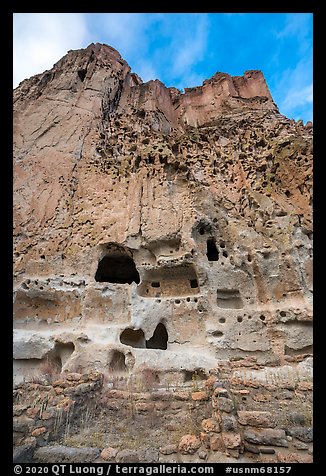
<point x="158" y="228"/>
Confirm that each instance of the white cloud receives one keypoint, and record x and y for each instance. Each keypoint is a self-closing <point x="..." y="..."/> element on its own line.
<point x="190" y="47"/>
<point x="124" y="31"/>
<point x="294" y="90"/>
<point x="41" y="39"/>
<point x="298" y="97"/>
<point x="163" y="46"/>
<point x="146" y="71"/>
<point x="130" y="34"/>
<point x="293" y="86"/>
<point x="190" y="81"/>
<point x="298" y="26"/>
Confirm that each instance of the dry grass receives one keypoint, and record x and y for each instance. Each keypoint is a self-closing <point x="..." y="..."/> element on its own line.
<point x="129" y="428"/>
<point x="48" y="372"/>
<point x="85" y="433"/>
<point x="146" y="380"/>
<point x="50" y="369"/>
<point x="115" y="379"/>
<point x="86" y="438"/>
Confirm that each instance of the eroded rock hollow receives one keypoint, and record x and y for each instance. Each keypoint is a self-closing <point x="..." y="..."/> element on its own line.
<point x="158" y="228"/>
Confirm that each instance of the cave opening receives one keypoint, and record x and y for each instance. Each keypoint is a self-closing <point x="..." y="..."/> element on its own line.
<point x="118" y="362"/>
<point x="81" y="74"/>
<point x="117" y="268"/>
<point x="58" y="357"/>
<point x="159" y="339"/>
<point x="212" y="251"/>
<point x="52" y="365"/>
<point x="134" y="338"/>
<point x="194" y="375"/>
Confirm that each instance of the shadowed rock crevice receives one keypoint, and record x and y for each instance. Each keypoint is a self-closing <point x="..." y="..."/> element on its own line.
<point x="117" y="267"/>
<point x="118" y="362"/>
<point x="81" y="74"/>
<point x="195" y="375"/>
<point x="212" y="252"/>
<point x="61" y="353"/>
<point x="159" y="339"/>
<point x="133" y="337"/>
<point x="136" y="338"/>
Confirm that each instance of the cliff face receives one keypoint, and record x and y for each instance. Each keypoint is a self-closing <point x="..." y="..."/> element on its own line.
<point x="158" y="228"/>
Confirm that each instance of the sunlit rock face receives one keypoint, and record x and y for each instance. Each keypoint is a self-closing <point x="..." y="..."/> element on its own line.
<point x="157" y="228"/>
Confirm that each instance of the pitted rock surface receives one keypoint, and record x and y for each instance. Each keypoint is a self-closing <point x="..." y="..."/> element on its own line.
<point x="158" y="228"/>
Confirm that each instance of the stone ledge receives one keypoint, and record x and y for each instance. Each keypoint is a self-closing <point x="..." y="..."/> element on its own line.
<point x="266" y="436"/>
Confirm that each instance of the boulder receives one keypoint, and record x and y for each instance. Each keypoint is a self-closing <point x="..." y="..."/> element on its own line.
<point x="169" y="449"/>
<point x="304" y="434"/>
<point x="266" y="436"/>
<point x="24" y="453"/>
<point x="256" y="418"/>
<point x="109" y="453"/>
<point x="65" y="454"/>
<point x="231" y="440"/>
<point x="210" y="425"/>
<point x="189" y="444"/>
<point x="127" y="456"/>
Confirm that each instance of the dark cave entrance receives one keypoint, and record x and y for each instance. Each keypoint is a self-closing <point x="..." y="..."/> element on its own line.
<point x="118" y="362"/>
<point x="134" y="338"/>
<point x="159" y="339"/>
<point x="117" y="267"/>
<point x="212" y="251"/>
<point x="81" y="74"/>
<point x="61" y="353"/>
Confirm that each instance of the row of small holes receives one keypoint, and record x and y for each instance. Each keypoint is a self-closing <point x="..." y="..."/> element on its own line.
<point x="240" y="319"/>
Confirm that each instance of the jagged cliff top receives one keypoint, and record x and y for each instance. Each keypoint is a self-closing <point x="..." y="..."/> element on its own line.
<point x="221" y="93"/>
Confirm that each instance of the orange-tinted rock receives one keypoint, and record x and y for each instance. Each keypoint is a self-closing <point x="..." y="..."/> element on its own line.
<point x="231" y="440"/>
<point x="189" y="444"/>
<point x="294" y="458"/>
<point x="210" y="382"/>
<point x="39" y="431"/>
<point x="199" y="396"/>
<point x="109" y="453"/>
<point x="216" y="443"/>
<point x="203" y="199"/>
<point x="210" y="425"/>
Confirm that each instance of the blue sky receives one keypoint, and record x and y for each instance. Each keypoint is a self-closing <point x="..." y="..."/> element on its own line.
<point x="181" y="49"/>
